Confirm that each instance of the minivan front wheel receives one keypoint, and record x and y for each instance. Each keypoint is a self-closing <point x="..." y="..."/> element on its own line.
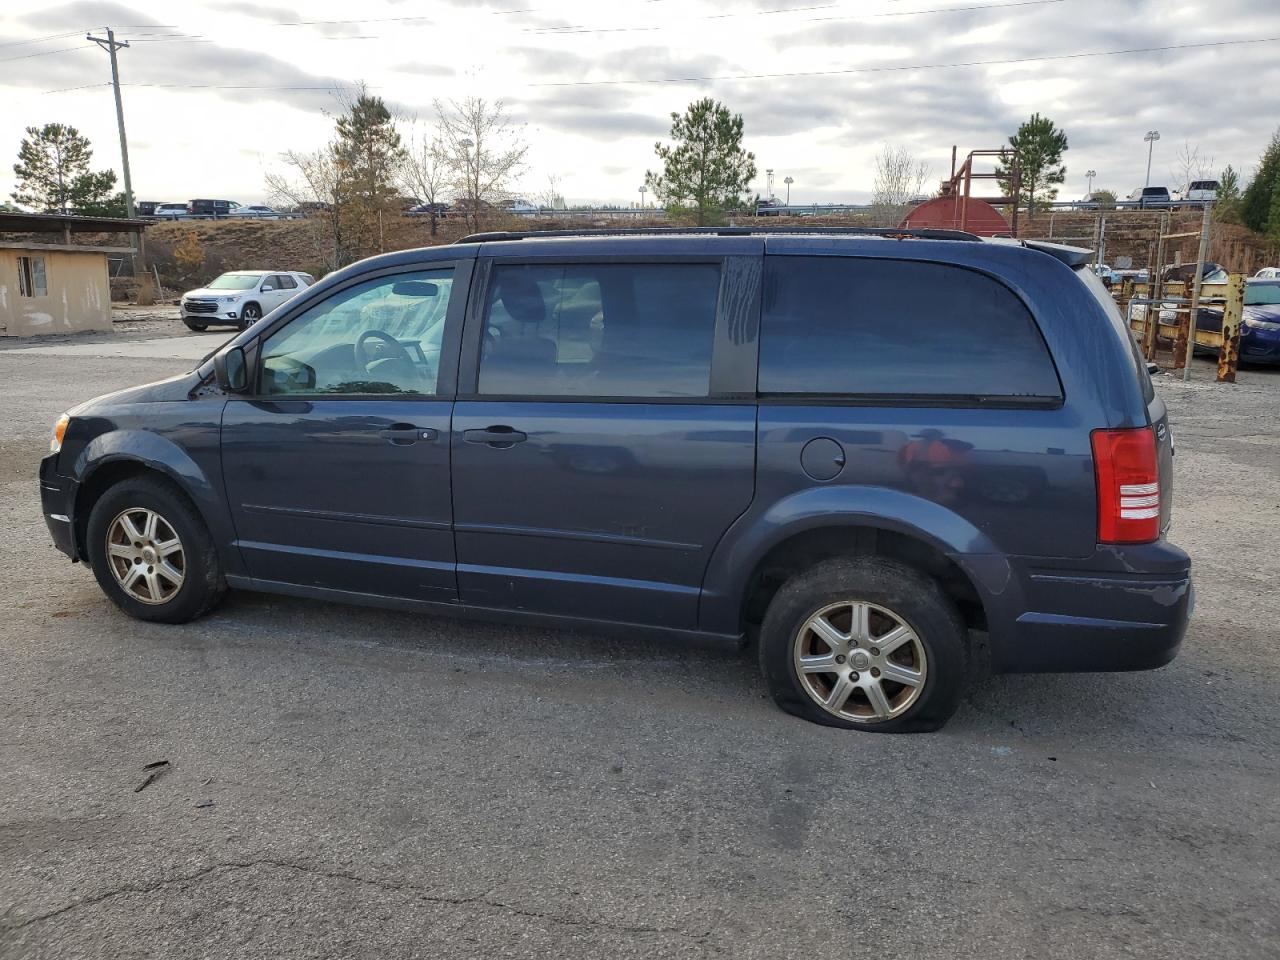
<point x="151" y="554"/>
<point x="864" y="643"/>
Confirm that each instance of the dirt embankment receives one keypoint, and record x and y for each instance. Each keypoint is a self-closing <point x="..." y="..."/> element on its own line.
<point x="308" y="244"/>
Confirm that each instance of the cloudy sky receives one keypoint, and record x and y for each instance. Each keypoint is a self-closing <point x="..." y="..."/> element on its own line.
<point x="215" y="91"/>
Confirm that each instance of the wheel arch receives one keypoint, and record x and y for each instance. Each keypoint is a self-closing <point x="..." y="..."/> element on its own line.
<point x="120" y="455"/>
<point x="822" y="522"/>
<point x="802" y="550"/>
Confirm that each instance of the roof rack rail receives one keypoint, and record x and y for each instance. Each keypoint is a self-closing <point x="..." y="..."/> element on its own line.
<point x="892" y="233"/>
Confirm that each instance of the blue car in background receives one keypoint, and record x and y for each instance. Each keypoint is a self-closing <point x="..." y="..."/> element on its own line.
<point x="1260" y="326"/>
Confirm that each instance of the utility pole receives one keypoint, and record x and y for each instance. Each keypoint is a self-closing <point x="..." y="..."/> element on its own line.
<point x="111" y="45"/>
<point x="1089" y="175"/>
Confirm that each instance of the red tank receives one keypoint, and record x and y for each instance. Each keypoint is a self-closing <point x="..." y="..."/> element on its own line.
<point x="957" y="213"/>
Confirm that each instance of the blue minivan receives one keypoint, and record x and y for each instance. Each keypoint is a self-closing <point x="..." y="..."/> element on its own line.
<point x="862" y="450"/>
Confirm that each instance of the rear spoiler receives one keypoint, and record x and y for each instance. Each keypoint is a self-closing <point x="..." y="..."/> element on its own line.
<point x="1073" y="257"/>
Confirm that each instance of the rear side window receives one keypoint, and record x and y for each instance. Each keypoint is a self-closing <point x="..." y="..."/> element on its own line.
<point x="863" y="327"/>
<point x="600" y="330"/>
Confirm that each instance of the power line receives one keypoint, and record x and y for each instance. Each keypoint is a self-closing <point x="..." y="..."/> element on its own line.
<point x="914" y="66"/>
<point x="47" y="53"/>
<point x="55" y="36"/>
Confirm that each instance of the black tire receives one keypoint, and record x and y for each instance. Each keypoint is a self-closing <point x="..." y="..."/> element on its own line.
<point x="197" y="327"/>
<point x="250" y="315"/>
<point x="912" y="597"/>
<point x="202" y="581"/>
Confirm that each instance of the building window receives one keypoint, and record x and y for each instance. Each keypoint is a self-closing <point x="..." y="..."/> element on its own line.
<point x="31" y="277"/>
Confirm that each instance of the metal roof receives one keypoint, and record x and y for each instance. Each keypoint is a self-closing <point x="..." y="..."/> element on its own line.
<point x="71" y="223"/>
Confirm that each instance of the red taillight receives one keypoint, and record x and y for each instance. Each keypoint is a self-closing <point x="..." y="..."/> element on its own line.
<point x="1128" y="475"/>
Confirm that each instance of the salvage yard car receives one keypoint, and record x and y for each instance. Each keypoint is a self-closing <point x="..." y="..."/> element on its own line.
<point x="711" y="433"/>
<point x="240" y="299"/>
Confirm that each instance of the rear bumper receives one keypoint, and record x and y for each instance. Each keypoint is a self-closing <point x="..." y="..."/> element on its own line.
<point x="57" y="503"/>
<point x="1128" y="613"/>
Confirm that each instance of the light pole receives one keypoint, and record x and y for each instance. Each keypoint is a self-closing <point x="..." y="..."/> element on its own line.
<point x="1089" y="175"/>
<point x="768" y="183"/>
<point x="788" y="181"/>
<point x="1151" y="138"/>
<point x="642" y="191"/>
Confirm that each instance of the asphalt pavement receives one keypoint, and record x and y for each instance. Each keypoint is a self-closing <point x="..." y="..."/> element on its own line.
<point x="344" y="782"/>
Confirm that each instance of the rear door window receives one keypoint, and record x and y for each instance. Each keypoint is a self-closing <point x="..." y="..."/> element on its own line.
<point x="600" y="330"/>
<point x="897" y="328"/>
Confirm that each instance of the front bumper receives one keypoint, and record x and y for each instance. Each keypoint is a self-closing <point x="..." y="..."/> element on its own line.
<point x="1129" y="612"/>
<point x="222" y="313"/>
<point x="57" y="503"/>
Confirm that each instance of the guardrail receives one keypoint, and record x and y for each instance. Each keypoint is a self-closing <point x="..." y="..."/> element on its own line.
<point x="1148" y="305"/>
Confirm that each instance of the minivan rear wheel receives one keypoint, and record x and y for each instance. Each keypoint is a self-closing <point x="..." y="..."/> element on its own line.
<point x="864" y="643"/>
<point x="151" y="553"/>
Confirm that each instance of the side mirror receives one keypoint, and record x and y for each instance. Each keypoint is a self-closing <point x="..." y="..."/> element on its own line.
<point x="267" y="288"/>
<point x="232" y="370"/>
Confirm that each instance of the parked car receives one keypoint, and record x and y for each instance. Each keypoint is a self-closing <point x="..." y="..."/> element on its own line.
<point x="240" y="298"/>
<point x="711" y="435"/>
<point x="1267" y="273"/>
<point x="261" y="212"/>
<point x="1186" y="272"/>
<point x="1259" y="323"/>
<point x="1147" y="197"/>
<point x="213" y="209"/>
<point x="519" y="206"/>
<point x="171" y="211"/>
<point x="1199" y="192"/>
<point x="425" y="209"/>
<point x="146" y="208"/>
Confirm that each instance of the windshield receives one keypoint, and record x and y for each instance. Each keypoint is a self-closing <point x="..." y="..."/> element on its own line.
<point x="1262" y="294"/>
<point x="235" y="281"/>
<point x="1155" y="191"/>
<point x="1204" y="185"/>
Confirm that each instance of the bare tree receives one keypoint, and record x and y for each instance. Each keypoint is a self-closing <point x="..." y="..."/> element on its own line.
<point x="551" y="198"/>
<point x="312" y="182"/>
<point x="426" y="171"/>
<point x="483" y="147"/>
<point x="899" y="177"/>
<point x="1190" y="164"/>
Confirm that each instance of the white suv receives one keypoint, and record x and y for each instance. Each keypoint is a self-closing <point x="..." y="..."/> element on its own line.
<point x="240" y="298"/>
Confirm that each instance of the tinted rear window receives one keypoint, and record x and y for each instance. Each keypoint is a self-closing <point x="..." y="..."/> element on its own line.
<point x="600" y="329"/>
<point x="863" y="327"/>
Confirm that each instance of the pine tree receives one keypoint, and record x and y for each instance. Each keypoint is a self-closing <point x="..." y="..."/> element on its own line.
<point x="1255" y="206"/>
<point x="706" y="171"/>
<point x="53" y="174"/>
<point x="1227" y="207"/>
<point x="1038" y="147"/>
<point x="368" y="155"/>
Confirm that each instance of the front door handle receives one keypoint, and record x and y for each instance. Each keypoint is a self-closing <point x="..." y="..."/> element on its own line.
<point x="402" y="434"/>
<point x="499" y="436"/>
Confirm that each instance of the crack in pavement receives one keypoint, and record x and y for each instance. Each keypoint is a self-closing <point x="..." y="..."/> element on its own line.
<point x="409" y="888"/>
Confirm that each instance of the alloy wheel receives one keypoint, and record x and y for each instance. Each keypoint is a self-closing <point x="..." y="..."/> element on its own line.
<point x="860" y="661"/>
<point x="145" y="555"/>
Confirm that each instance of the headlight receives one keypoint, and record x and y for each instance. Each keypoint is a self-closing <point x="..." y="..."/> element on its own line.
<point x="1257" y="324"/>
<point x="228" y="299"/>
<point x="59" y="431"/>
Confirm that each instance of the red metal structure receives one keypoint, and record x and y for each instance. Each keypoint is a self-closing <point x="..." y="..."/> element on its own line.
<point x="957" y="209"/>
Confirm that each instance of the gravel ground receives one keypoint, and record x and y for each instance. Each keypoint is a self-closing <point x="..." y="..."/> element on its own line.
<point x="356" y="783"/>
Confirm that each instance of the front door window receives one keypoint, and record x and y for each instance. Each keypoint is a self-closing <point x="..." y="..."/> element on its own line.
<point x="379" y="337"/>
